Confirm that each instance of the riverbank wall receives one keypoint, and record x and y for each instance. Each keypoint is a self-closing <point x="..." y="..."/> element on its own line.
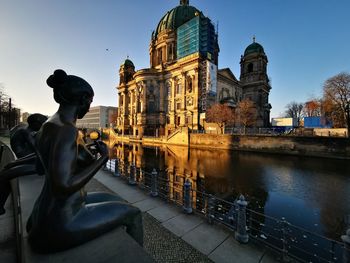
<point x="331" y="147"/>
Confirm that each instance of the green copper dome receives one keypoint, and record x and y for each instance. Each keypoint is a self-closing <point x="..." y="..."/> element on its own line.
<point x="176" y="17"/>
<point x="254" y="48"/>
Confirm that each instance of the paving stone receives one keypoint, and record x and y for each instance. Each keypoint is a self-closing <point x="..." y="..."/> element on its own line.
<point x="148" y="204"/>
<point x="182" y="224"/>
<point x="164" y="212"/>
<point x="206" y="237"/>
<point x="231" y="249"/>
<point x="134" y="196"/>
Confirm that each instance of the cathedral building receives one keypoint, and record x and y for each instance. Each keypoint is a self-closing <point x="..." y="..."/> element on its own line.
<point x="183" y="80"/>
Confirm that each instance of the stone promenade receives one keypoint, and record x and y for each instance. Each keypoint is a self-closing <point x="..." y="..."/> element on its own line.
<point x="172" y="236"/>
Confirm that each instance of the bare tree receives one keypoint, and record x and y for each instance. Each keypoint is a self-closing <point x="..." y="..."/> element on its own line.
<point x="220" y="114"/>
<point x="9" y="114"/>
<point x="336" y="92"/>
<point x="294" y="110"/>
<point x="247" y="113"/>
<point x="312" y="108"/>
<point x="331" y="113"/>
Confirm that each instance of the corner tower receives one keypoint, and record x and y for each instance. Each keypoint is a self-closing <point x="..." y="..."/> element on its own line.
<point x="255" y="82"/>
<point x="126" y="71"/>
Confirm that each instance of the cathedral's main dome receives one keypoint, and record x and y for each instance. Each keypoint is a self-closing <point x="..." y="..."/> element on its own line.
<point x="176" y="17"/>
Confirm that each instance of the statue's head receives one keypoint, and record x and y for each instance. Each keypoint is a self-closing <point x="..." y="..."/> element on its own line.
<point x="35" y="121"/>
<point x="71" y="90"/>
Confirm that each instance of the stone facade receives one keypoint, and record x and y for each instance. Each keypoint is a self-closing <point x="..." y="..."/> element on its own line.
<point x="176" y="92"/>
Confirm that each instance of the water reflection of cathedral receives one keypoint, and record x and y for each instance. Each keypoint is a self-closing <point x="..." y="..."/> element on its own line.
<point x="206" y="170"/>
<point x="184" y="80"/>
<point x="170" y="165"/>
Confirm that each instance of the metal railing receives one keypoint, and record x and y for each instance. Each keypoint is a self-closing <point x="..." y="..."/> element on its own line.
<point x="289" y="241"/>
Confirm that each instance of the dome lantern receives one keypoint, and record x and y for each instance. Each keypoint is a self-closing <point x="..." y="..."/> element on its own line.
<point x="184" y="2"/>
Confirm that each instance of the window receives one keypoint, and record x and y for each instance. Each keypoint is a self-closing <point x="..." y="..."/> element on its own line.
<point x="151" y="104"/>
<point x="170" y="52"/>
<point x="138" y="109"/>
<point x="189" y="84"/>
<point x="160" y="56"/>
<point x="178" y="88"/>
<point x="151" y="108"/>
<point x="250" y="67"/>
<point x="178" y="105"/>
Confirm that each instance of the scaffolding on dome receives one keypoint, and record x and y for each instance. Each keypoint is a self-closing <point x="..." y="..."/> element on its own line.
<point x="196" y="35"/>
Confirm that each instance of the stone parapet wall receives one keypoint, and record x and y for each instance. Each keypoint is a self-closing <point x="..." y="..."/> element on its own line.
<point x="307" y="146"/>
<point x="341" y="132"/>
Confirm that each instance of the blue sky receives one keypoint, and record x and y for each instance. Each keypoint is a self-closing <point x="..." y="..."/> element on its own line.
<point x="306" y="41"/>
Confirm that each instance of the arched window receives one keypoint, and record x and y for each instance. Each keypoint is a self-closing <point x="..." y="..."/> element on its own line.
<point x="178" y="87"/>
<point x="151" y="104"/>
<point x="160" y="56"/>
<point x="189" y="84"/>
<point x="250" y="67"/>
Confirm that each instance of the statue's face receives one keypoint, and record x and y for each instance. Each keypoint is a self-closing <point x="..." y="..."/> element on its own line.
<point x="84" y="106"/>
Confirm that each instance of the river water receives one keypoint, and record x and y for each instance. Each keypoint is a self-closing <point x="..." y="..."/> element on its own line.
<point x="313" y="193"/>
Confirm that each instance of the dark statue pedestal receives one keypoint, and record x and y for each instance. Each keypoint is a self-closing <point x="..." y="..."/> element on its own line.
<point x="115" y="246"/>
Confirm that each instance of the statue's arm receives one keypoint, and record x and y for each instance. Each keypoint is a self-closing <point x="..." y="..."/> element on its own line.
<point x="29" y="159"/>
<point x="18" y="171"/>
<point x="62" y="162"/>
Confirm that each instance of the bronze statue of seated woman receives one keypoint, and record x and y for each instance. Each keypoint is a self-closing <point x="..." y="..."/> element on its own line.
<point x="62" y="217"/>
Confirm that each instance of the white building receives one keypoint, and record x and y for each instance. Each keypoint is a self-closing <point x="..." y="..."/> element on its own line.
<point x="98" y="117"/>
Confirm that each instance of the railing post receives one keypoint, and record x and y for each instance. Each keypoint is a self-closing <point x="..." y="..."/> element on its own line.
<point x="241" y="233"/>
<point x="154" y="191"/>
<point x="346" y="252"/>
<point x="116" y="170"/>
<point x="210" y="211"/>
<point x="132" y="179"/>
<point x="187" y="197"/>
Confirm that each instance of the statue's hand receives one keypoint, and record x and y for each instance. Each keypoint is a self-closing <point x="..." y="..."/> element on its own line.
<point x="101" y="148"/>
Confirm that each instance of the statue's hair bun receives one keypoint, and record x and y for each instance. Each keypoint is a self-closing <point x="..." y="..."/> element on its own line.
<point x="57" y="79"/>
